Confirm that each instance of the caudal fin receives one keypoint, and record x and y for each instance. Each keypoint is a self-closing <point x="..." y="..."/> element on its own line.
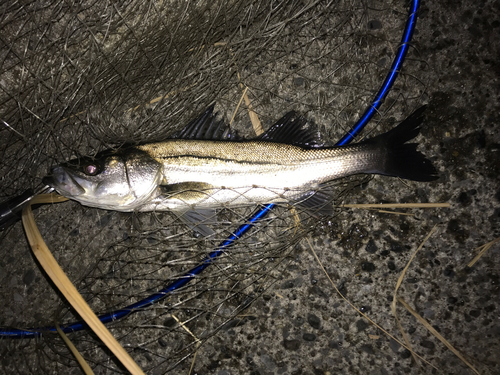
<point x="402" y="159"/>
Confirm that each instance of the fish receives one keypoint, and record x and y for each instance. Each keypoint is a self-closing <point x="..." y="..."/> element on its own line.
<point x="206" y="166"/>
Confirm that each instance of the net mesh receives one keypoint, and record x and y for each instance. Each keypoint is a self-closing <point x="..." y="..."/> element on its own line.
<point x="78" y="78"/>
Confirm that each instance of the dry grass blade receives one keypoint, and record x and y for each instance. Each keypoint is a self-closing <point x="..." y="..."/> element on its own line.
<point x="398" y="205"/>
<point x="398" y="284"/>
<point x="378" y="207"/>
<point x="57" y="275"/>
<point x="83" y="364"/>
<point x="238" y="106"/>
<point x="198" y="342"/>
<point x="394" y="213"/>
<point x="12" y="129"/>
<point x="482" y="250"/>
<point x="185" y="328"/>
<point x="436" y="333"/>
<point x="194" y="358"/>
<point x="257" y="126"/>
<point x="362" y="314"/>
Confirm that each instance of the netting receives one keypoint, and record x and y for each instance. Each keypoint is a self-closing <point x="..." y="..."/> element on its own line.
<point x="79" y="78"/>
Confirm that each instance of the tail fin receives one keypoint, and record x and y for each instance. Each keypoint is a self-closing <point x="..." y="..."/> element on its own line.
<point x="402" y="159"/>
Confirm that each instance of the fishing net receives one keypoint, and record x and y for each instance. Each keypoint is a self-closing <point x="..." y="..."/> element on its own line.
<point x="78" y="78"/>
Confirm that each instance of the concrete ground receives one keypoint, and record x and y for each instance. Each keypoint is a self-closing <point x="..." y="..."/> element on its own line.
<point x="297" y="323"/>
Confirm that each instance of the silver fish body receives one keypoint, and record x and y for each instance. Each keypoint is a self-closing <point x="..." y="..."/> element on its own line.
<point x="180" y="174"/>
<point x="218" y="173"/>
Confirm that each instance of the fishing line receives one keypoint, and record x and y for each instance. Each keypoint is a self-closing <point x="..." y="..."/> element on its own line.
<point x="255" y="218"/>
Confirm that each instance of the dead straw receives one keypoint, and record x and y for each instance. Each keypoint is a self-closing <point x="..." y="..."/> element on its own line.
<point x="398" y="205"/>
<point x="398" y="284"/>
<point x="83" y="364"/>
<point x="436" y="333"/>
<point x="198" y="342"/>
<point x="57" y="275"/>
<point x="482" y="250"/>
<point x="359" y="312"/>
<point x="419" y="318"/>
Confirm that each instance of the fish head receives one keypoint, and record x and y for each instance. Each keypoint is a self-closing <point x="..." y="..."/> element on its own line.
<point x="120" y="180"/>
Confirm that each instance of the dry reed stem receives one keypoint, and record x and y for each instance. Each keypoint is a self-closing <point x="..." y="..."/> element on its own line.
<point x="359" y="312"/>
<point x="238" y="106"/>
<point x="59" y="278"/>
<point x="186" y="328"/>
<point x="257" y="126"/>
<point x="83" y="364"/>
<point x="398" y="284"/>
<point x="436" y="333"/>
<point x="198" y="342"/>
<point x="482" y="250"/>
<point x="398" y="205"/>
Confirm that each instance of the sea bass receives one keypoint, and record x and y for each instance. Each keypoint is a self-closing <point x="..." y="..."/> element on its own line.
<point x="201" y="167"/>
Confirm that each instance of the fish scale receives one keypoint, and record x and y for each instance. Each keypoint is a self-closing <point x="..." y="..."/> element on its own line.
<point x="244" y="164"/>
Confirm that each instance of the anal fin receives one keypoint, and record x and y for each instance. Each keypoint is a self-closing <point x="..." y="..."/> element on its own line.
<point x="198" y="220"/>
<point x="317" y="203"/>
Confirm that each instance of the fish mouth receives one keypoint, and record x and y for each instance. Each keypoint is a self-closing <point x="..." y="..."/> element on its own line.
<point x="63" y="182"/>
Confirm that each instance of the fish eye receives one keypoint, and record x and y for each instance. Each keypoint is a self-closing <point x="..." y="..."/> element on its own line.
<point x="91" y="169"/>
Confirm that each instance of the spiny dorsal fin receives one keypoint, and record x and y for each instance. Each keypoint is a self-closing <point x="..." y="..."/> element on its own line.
<point x="206" y="127"/>
<point x="290" y="130"/>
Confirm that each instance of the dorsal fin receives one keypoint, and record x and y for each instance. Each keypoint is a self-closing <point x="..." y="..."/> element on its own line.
<point x="290" y="129"/>
<point x="206" y="127"/>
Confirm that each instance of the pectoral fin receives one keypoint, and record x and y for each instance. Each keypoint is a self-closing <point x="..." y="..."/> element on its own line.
<point x="192" y="194"/>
